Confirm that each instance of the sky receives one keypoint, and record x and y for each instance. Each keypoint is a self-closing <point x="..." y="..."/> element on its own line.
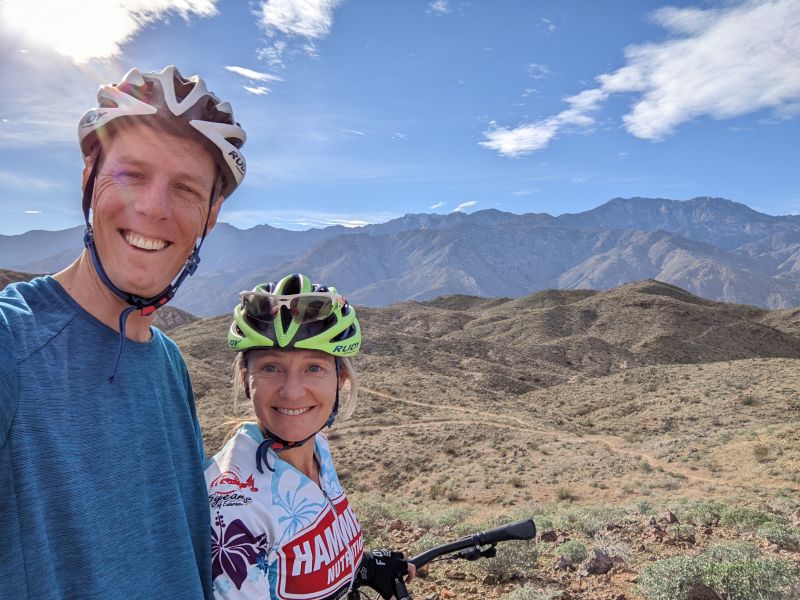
<point x="360" y="111"/>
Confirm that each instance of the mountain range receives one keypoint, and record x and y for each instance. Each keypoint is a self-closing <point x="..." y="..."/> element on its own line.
<point x="712" y="247"/>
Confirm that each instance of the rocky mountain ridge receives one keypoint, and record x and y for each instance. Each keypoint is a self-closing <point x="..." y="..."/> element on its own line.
<point x="713" y="247"/>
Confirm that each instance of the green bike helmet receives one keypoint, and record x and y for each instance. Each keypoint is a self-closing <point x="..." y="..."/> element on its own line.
<point x="295" y="313"/>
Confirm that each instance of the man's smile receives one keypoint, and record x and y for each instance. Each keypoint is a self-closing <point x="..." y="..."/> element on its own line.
<point x="143" y="243"/>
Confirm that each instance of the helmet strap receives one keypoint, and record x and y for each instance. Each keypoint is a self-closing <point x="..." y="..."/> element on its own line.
<point x="335" y="411"/>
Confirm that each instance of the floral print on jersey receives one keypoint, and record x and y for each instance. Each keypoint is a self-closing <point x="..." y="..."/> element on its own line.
<point x="234" y="549"/>
<point x="330" y="482"/>
<point x="292" y="499"/>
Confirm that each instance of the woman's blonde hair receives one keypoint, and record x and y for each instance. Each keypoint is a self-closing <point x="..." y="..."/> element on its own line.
<point x="348" y="394"/>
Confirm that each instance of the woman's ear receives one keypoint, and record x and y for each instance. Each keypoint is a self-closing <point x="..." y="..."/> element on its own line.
<point x="245" y="383"/>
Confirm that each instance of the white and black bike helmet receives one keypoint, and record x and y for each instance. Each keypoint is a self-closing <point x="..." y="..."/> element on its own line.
<point x="168" y="95"/>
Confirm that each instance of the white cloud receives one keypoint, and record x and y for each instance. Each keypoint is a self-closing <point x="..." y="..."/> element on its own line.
<point x="258" y="90"/>
<point x="353" y="132"/>
<point x="310" y="19"/>
<point x="719" y="63"/>
<point x="298" y="220"/>
<point x="93" y="29"/>
<point x="274" y="54"/>
<point x="521" y="140"/>
<point x="463" y="205"/>
<point x="537" y="71"/>
<point x="437" y="205"/>
<point x="399" y="136"/>
<point x="253" y="75"/>
<point x="28" y="183"/>
<point x="439" y="7"/>
<point x="728" y="62"/>
<point x="33" y="212"/>
<point x="549" y="24"/>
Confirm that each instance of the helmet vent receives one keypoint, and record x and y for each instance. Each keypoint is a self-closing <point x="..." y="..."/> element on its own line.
<point x="183" y="87"/>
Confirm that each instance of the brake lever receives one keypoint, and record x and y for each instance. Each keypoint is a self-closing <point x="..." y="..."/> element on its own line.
<point x="476" y="552"/>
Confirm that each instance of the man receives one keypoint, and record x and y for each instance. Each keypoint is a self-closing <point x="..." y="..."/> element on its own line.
<point x="102" y="492"/>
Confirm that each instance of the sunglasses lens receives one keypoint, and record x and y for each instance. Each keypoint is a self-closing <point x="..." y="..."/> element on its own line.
<point x="259" y="311"/>
<point x="306" y="309"/>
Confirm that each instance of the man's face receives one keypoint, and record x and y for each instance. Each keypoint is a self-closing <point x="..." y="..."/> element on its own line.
<point x="149" y="206"/>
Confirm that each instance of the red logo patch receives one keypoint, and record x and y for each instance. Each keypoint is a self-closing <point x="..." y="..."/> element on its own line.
<point x="231" y="481"/>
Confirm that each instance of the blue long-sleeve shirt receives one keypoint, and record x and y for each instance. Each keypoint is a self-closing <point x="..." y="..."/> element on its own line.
<point x="102" y="492"/>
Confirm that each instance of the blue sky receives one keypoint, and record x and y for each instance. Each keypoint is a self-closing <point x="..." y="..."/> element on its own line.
<point x="360" y="111"/>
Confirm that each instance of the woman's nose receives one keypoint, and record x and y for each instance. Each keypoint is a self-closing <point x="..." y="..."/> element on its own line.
<point x="292" y="387"/>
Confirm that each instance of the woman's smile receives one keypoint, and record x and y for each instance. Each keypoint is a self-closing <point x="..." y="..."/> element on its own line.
<point x="292" y="412"/>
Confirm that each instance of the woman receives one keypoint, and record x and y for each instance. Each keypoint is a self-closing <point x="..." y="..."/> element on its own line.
<point x="281" y="524"/>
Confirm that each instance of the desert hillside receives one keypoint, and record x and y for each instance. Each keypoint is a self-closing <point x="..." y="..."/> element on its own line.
<point x="622" y="403"/>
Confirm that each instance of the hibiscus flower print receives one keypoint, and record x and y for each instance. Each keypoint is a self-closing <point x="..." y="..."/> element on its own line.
<point x="330" y="482"/>
<point x="292" y="505"/>
<point x="234" y="549"/>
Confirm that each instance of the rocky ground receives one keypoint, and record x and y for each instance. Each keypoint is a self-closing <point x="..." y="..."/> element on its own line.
<point x="601" y="553"/>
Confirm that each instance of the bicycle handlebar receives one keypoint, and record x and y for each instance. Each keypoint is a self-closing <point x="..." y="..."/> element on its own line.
<point x="521" y="530"/>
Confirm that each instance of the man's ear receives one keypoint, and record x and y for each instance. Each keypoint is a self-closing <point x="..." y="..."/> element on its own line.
<point x="215" y="208"/>
<point x="88" y="163"/>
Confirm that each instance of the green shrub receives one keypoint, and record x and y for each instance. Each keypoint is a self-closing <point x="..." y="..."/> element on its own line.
<point x="565" y="494"/>
<point x="589" y="520"/>
<point x="530" y="592"/>
<point x="573" y="550"/>
<point x="761" y="453"/>
<point x="514" y="560"/>
<point x="669" y="579"/>
<point x="778" y="533"/>
<point x="736" y="571"/>
<point x="439" y="519"/>
<point x="544" y="523"/>
<point x="681" y="532"/>
<point x="704" y="513"/>
<point x="743" y="517"/>
<point x="372" y="513"/>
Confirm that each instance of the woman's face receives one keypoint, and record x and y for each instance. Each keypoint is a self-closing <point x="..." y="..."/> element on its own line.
<point x="293" y="391"/>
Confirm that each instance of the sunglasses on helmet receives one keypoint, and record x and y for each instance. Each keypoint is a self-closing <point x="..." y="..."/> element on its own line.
<point x="304" y="308"/>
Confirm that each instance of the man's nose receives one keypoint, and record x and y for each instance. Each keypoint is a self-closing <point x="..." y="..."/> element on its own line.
<point x="152" y="200"/>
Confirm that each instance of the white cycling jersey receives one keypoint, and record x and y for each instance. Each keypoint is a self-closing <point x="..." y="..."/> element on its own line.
<point x="277" y="535"/>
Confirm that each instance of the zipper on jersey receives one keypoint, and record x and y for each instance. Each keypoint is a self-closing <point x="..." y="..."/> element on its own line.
<point x="349" y="549"/>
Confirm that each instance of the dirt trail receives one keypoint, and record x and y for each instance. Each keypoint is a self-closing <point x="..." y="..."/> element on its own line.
<point x="614" y="444"/>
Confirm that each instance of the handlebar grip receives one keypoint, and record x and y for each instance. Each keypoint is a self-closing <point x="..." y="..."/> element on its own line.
<point x="400" y="590"/>
<point x="522" y="530"/>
